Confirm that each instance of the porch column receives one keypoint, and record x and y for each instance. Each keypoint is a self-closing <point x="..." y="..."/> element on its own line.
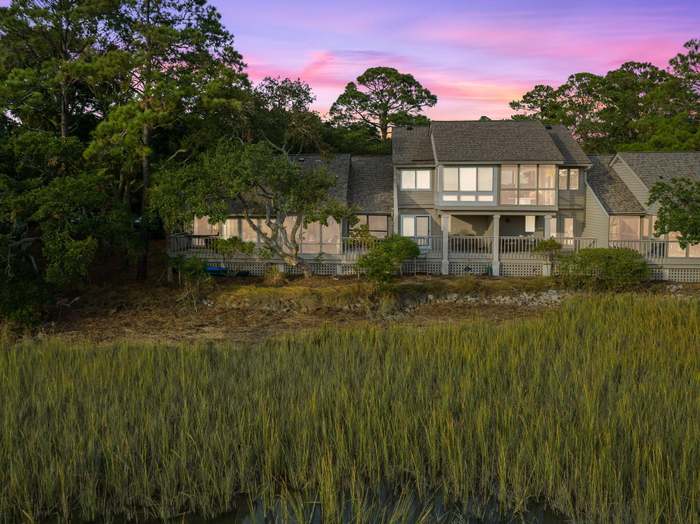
<point x="445" y="226"/>
<point x="496" y="263"/>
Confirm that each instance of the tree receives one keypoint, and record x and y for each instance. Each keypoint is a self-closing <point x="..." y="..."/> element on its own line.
<point x="283" y="117"/>
<point x="261" y="181"/>
<point x="679" y="209"/>
<point x="175" y="53"/>
<point x="382" y="96"/>
<point x="635" y="106"/>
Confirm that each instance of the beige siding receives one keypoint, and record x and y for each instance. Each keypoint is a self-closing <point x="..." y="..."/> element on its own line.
<point x="632" y="181"/>
<point x="572" y="199"/>
<point x="597" y="220"/>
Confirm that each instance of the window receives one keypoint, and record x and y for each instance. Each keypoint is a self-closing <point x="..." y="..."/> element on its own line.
<point x="569" y="179"/>
<point x="528" y="185"/>
<point x="415" y="226"/>
<point x="204" y="228"/>
<point x="467" y="184"/>
<point x="553" y="226"/>
<point x="624" y="228"/>
<point x="568" y="227"/>
<point x="418" y="179"/>
<point x="378" y="225"/>
<point x="530" y="224"/>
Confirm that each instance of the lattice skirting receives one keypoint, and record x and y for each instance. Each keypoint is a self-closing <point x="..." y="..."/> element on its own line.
<point x="521" y="269"/>
<point x="676" y="274"/>
<point x="469" y="268"/>
<point x="429" y="267"/>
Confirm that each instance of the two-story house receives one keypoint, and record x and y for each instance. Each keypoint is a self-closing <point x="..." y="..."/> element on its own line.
<point x="478" y="195"/>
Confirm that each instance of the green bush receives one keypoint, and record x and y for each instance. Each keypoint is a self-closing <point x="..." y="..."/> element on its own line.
<point x="193" y="279"/>
<point x="384" y="259"/>
<point x="606" y="269"/>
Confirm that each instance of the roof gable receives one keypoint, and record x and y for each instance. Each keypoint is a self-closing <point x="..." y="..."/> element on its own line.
<point x="609" y="188"/>
<point x="651" y="167"/>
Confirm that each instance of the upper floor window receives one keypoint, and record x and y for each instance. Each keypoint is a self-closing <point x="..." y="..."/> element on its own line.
<point x="468" y="184"/>
<point x="415" y="179"/>
<point x="569" y="179"/>
<point x="528" y="185"/>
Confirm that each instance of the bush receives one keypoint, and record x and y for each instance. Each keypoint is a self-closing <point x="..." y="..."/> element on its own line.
<point x="384" y="259"/>
<point x="193" y="279"/>
<point x="605" y="269"/>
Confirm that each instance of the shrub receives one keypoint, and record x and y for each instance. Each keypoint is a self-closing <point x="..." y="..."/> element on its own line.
<point x="384" y="259"/>
<point x="612" y="269"/>
<point x="550" y="248"/>
<point x="193" y="279"/>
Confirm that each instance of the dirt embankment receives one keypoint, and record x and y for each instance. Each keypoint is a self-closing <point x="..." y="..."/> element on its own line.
<point x="248" y="310"/>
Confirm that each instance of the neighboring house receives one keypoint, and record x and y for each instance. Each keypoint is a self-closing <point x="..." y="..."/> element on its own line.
<point x="477" y="196"/>
<point x="617" y="211"/>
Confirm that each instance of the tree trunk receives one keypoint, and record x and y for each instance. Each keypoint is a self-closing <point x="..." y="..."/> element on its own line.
<point x="142" y="268"/>
<point x="64" y="110"/>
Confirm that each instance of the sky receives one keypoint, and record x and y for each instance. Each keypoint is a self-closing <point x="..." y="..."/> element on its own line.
<point x="476" y="56"/>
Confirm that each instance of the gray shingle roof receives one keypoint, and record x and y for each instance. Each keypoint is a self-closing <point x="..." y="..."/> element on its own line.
<point x="337" y="165"/>
<point x="610" y="189"/>
<point x="371" y="183"/>
<point x="411" y="145"/>
<point x="493" y="141"/>
<point x="652" y="167"/>
<point x="573" y="154"/>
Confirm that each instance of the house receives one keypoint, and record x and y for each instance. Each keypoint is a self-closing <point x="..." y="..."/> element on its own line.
<point x="478" y="195"/>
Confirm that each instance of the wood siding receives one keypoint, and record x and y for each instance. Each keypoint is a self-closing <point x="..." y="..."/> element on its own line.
<point x="597" y="221"/>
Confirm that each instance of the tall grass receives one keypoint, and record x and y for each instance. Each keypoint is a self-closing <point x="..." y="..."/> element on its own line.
<point x="593" y="410"/>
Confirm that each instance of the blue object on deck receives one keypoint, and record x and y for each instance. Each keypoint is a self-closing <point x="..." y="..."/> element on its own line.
<point x="216" y="270"/>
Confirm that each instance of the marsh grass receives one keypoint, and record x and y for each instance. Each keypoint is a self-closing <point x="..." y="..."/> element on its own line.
<point x="592" y="410"/>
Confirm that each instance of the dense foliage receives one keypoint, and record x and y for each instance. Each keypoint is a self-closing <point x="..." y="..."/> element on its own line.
<point x="604" y="269"/>
<point x="589" y="410"/>
<point x="636" y="107"/>
<point x="384" y="259"/>
<point x="679" y="209"/>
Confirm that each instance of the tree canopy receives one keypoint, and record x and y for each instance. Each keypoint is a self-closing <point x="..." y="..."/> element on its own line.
<point x="638" y="106"/>
<point x="382" y="96"/>
<point x="679" y="209"/>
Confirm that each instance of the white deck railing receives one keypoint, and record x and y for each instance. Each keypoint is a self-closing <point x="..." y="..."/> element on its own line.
<point x="349" y="249"/>
<point x="659" y="250"/>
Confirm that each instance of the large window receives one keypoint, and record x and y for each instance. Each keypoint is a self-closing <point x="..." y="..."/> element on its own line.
<point x="528" y="185"/>
<point x="415" y="226"/>
<point x="569" y="179"/>
<point x="467" y="184"/>
<point x="415" y="179"/>
<point x="202" y="227"/>
<point x="624" y="228"/>
<point x="378" y="225"/>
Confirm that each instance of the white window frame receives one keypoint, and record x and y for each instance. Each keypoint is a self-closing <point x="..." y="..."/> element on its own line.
<point x="468" y="195"/>
<point x="537" y="189"/>
<point x="530" y="223"/>
<point x="414" y="218"/>
<point x="414" y="173"/>
<point x="565" y="173"/>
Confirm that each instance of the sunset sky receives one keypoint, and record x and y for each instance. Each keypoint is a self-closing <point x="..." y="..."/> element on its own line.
<point x="475" y="56"/>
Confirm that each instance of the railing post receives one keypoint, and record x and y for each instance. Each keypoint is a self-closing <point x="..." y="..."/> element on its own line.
<point x="495" y="248"/>
<point x="445" y="225"/>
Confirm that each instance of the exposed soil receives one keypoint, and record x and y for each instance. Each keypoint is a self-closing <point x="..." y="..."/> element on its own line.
<point x="155" y="311"/>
